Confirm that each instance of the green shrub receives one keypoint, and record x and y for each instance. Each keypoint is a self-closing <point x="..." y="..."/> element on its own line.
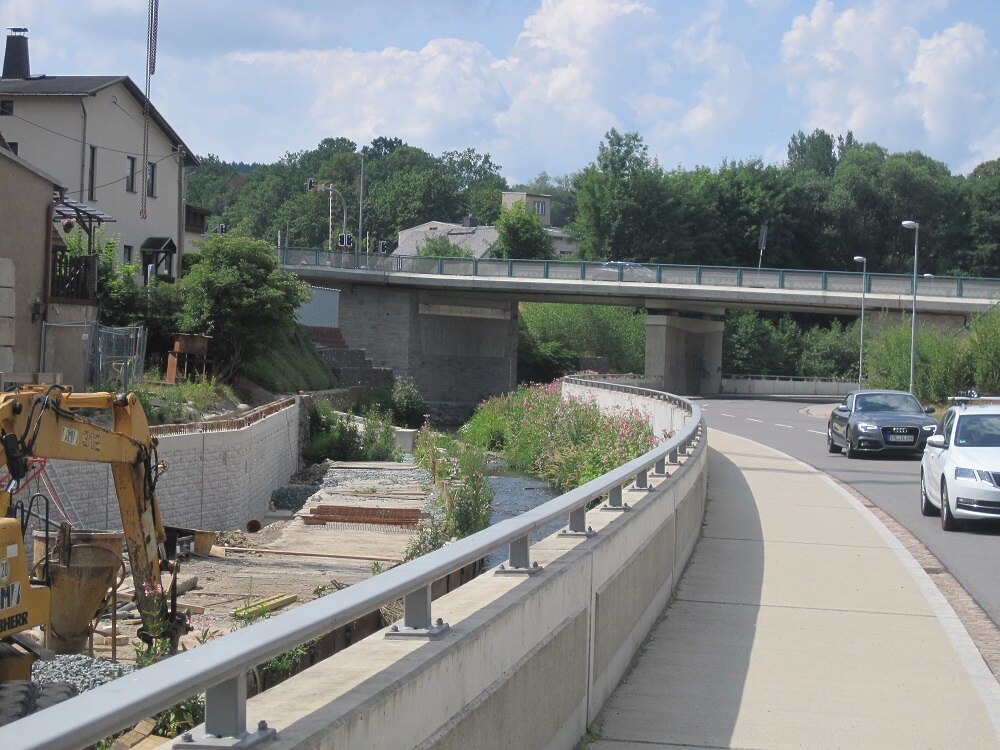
<point x="332" y="436"/>
<point x="565" y="442"/>
<point x="408" y="406"/>
<point x="378" y="439"/>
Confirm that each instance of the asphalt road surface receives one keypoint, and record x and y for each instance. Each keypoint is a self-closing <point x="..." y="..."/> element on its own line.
<point x="971" y="555"/>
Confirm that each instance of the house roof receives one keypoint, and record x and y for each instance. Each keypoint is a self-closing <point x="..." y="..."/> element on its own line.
<point x="90" y="86"/>
<point x="159" y="244"/>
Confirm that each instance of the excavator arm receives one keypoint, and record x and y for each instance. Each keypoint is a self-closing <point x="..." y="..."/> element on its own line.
<point x="42" y="422"/>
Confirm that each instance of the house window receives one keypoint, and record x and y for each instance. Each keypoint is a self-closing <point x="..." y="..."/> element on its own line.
<point x="92" y="176"/>
<point x="130" y="174"/>
<point x="13" y="147"/>
<point x="151" y="179"/>
<point x="540" y="208"/>
<point x="6" y="106"/>
<point x="127" y="253"/>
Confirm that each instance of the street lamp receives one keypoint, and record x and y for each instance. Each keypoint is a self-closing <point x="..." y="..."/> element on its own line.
<point x="864" y="284"/>
<point x="913" y="316"/>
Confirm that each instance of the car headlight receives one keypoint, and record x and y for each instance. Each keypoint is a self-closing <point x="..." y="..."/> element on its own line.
<point x="974" y="475"/>
<point x="867" y="427"/>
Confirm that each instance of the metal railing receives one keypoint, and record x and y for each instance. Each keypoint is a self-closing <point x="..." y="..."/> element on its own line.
<point x="219" y="668"/>
<point x="751" y="278"/>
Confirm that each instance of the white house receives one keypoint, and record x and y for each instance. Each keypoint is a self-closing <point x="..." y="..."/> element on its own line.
<point x="87" y="131"/>
<point x="479" y="239"/>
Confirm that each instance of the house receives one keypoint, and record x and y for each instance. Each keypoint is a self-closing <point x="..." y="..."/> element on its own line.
<point x="46" y="297"/>
<point x="479" y="239"/>
<point x="88" y="132"/>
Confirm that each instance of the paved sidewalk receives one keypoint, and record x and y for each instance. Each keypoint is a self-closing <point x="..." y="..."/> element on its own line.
<point x="800" y="622"/>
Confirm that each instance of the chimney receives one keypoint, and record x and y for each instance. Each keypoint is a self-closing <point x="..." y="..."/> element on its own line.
<point x="15" y="57"/>
<point x="468" y="221"/>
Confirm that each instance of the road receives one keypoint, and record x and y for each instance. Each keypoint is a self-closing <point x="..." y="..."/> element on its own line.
<point x="971" y="555"/>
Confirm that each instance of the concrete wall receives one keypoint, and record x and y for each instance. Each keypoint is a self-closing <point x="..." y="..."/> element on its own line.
<point x="529" y="661"/>
<point x="459" y="349"/>
<point x="786" y="387"/>
<point x="214" y="480"/>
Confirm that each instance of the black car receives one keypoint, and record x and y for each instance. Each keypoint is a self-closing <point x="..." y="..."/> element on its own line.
<point x="879" y="421"/>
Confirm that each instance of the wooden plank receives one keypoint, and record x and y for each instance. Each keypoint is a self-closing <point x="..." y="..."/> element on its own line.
<point x="269" y="604"/>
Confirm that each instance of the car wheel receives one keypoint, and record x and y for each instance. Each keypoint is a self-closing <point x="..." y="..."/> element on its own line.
<point x="926" y="507"/>
<point x="948" y="521"/>
<point x="831" y="446"/>
<point x="849" y="448"/>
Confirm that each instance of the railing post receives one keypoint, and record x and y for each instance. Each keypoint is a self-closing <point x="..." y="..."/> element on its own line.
<point x="417" y="617"/>
<point x="577" y="523"/>
<point x="641" y="482"/>
<point x="226" y="719"/>
<point x="518" y="562"/>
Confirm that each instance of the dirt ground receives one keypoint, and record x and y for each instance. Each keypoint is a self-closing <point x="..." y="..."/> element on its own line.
<point x="287" y="556"/>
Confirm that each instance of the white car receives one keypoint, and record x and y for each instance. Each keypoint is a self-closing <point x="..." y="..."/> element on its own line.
<point x="960" y="468"/>
<point x="621" y="270"/>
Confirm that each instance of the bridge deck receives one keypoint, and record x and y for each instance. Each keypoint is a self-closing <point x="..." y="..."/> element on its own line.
<point x="801" y="622"/>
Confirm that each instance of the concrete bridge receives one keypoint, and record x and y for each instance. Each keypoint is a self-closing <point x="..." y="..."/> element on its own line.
<point x="452" y="324"/>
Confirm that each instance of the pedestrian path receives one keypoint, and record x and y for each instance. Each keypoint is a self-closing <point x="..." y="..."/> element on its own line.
<point x="800" y="622"/>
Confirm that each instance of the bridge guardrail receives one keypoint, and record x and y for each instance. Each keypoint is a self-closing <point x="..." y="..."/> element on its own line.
<point x="219" y="668"/>
<point x="763" y="278"/>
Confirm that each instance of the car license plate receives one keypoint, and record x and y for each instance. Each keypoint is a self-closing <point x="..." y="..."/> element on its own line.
<point x="900" y="439"/>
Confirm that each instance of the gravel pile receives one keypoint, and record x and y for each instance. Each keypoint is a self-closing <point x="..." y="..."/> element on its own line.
<point x="293" y="496"/>
<point x="337" y="476"/>
<point x="80" y="670"/>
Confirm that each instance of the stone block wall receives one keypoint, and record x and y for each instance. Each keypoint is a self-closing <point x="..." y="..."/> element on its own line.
<point x="214" y="480"/>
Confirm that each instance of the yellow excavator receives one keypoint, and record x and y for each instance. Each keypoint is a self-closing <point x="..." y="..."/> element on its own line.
<point x="44" y="422"/>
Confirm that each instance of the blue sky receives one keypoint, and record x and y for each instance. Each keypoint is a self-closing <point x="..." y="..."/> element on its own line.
<point x="536" y="84"/>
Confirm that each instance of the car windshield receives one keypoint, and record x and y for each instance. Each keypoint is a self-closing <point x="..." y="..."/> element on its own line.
<point x="978" y="431"/>
<point x="901" y="402"/>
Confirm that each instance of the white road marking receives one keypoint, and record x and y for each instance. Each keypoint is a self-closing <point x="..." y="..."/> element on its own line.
<point x="751" y="419"/>
<point x="778" y="424"/>
<point x="728" y="415"/>
<point x="817" y="432"/>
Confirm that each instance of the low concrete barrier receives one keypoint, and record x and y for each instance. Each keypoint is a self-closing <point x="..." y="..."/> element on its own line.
<point x="530" y="659"/>
<point x="761" y="386"/>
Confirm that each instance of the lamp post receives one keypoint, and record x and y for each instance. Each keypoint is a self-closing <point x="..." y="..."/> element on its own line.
<point x="913" y="315"/>
<point x="864" y="287"/>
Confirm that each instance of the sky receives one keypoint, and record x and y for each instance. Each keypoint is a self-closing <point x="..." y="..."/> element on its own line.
<point x="536" y="84"/>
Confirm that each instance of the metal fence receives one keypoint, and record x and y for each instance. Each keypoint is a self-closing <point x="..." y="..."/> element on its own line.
<point x="92" y="356"/>
<point x="219" y="668"/>
<point x="649" y="273"/>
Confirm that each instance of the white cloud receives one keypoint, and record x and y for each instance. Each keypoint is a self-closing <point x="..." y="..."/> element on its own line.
<point x="864" y="69"/>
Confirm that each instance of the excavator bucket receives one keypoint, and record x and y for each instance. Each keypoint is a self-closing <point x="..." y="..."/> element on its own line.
<point x="81" y="581"/>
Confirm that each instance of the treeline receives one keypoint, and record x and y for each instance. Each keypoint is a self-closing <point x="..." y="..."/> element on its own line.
<point x="832" y="199"/>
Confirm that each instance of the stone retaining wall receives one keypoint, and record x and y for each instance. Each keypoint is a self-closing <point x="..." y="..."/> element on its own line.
<point x="215" y="480"/>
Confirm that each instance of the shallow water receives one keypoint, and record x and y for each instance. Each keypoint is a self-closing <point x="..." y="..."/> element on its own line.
<point x="514" y="495"/>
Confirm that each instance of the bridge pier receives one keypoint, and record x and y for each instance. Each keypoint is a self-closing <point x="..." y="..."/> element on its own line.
<point x="684" y="350"/>
<point x="459" y="349"/>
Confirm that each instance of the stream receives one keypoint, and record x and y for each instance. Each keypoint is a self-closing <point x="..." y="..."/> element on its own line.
<point x="515" y="494"/>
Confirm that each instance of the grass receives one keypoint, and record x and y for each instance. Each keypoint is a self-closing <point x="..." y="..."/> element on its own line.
<point x="293" y="365"/>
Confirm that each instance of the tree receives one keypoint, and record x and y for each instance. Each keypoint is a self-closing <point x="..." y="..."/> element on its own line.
<point x="984" y="198"/>
<point x="521" y="235"/>
<point x="814" y="151"/>
<point x="620" y="201"/>
<point x="441" y="247"/>
<point x="238" y="295"/>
